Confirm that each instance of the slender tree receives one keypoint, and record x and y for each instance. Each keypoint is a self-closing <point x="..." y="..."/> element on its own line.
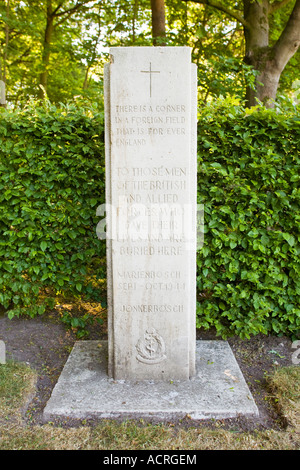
<point x="158" y="22"/>
<point x="55" y="16"/>
<point x="3" y="65"/>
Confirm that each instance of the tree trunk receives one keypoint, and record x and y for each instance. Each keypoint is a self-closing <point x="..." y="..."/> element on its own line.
<point x="257" y="53"/>
<point x="158" y="22"/>
<point x="268" y="61"/>
<point x="46" y="49"/>
<point x="3" y="82"/>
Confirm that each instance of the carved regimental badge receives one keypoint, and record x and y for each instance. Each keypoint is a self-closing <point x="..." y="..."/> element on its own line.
<point x="151" y="348"/>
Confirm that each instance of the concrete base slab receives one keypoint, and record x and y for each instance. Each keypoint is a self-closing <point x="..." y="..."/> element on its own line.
<point x="85" y="391"/>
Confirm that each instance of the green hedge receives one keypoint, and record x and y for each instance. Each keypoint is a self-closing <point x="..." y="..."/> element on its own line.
<point x="248" y="181"/>
<point x="52" y="180"/>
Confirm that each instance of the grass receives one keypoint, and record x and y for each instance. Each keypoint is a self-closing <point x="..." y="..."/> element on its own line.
<point x="17" y="384"/>
<point x="285" y="385"/>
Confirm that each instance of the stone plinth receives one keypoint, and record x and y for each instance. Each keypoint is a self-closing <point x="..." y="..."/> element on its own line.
<point x="217" y="390"/>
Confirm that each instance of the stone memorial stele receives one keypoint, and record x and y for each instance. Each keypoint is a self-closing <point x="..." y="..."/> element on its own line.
<point x="2" y="352"/>
<point x="151" y="365"/>
<point x="151" y="114"/>
<point x="2" y="93"/>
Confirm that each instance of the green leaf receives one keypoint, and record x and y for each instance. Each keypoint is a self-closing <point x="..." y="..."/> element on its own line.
<point x="93" y="202"/>
<point x="289" y="238"/>
<point x="43" y="245"/>
<point x="41" y="309"/>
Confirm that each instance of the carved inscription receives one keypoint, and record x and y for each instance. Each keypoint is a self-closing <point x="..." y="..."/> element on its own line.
<point x="152" y="308"/>
<point x="136" y="124"/>
<point x="151" y="280"/>
<point x="151" y="192"/>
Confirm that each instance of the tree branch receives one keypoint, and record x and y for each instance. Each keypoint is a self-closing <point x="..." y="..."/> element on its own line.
<point x="57" y="8"/>
<point x="235" y="14"/>
<point x="276" y="5"/>
<point x="71" y="10"/>
<point x="289" y="40"/>
<point x="20" y="58"/>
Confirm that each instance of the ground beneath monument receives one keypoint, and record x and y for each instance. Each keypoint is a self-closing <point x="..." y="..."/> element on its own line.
<point x="45" y="344"/>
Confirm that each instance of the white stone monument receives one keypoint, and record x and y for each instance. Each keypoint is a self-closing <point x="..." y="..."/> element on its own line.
<point x="151" y="115"/>
<point x="2" y="352"/>
<point x="2" y="94"/>
<point x="151" y="365"/>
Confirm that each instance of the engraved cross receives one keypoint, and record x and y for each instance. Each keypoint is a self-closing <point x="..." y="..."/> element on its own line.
<point x="150" y="71"/>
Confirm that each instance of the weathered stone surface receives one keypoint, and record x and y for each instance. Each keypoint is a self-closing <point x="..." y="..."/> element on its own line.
<point x="151" y="105"/>
<point x="84" y="390"/>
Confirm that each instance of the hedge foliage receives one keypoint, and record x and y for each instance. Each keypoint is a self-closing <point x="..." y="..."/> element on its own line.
<point x="52" y="180"/>
<point x="248" y="181"/>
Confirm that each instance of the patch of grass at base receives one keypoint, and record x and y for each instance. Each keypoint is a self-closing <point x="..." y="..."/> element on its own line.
<point x="17" y="382"/>
<point x="285" y="386"/>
